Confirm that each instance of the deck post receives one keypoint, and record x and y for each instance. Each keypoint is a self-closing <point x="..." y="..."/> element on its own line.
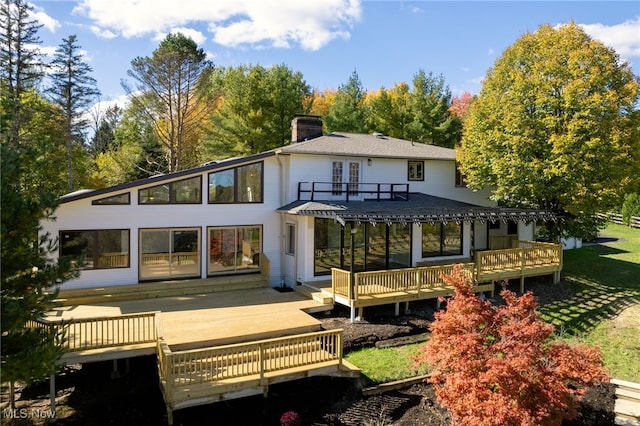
<point x="353" y="313"/>
<point x="397" y="309"/>
<point x="52" y="394"/>
<point x="406" y="307"/>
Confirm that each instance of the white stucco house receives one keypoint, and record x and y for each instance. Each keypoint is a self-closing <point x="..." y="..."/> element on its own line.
<point x="297" y="205"/>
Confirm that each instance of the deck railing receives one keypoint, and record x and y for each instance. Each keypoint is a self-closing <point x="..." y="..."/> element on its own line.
<point x="528" y="255"/>
<point x="258" y="358"/>
<point x="95" y="333"/>
<point x="528" y="258"/>
<point x="312" y="191"/>
<point x="379" y="283"/>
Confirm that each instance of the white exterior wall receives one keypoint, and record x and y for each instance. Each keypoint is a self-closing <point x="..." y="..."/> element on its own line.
<point x="439" y="176"/>
<point x="81" y="215"/>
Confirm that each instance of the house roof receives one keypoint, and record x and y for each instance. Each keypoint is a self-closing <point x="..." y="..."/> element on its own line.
<point x="419" y="208"/>
<point x="364" y="145"/>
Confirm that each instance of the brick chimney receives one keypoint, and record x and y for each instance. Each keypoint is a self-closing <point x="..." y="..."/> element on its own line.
<point x="304" y="127"/>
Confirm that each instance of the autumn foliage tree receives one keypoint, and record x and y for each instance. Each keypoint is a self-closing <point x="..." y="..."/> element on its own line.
<point x="499" y="365"/>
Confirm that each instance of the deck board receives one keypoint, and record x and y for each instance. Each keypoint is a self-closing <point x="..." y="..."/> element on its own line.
<point x="201" y="320"/>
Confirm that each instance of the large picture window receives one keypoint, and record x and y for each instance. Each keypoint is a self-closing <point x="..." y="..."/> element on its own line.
<point x="186" y="191"/>
<point x="169" y="253"/>
<point x="96" y="249"/>
<point x="234" y="249"/>
<point x="238" y="185"/>
<point x="440" y="239"/>
<point x="375" y="247"/>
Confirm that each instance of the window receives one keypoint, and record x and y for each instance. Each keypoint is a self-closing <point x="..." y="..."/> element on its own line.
<point x="290" y="243"/>
<point x="354" y="178"/>
<point x="416" y="170"/>
<point x="234" y="249"/>
<point x="336" y="177"/>
<point x="375" y="247"/>
<point x="120" y="199"/>
<point x="345" y="175"/>
<point x="186" y="191"/>
<point x="238" y="185"/>
<point x="96" y="249"/>
<point x="440" y="239"/>
<point x="167" y="253"/>
<point x="460" y="183"/>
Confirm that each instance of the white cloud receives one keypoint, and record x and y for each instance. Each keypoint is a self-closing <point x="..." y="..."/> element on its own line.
<point x="278" y="23"/>
<point x="47" y="21"/>
<point x="103" y="33"/>
<point x="195" y="35"/>
<point x="490" y="52"/>
<point x="624" y="38"/>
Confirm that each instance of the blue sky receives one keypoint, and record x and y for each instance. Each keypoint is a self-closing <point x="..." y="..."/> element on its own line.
<point x="386" y="42"/>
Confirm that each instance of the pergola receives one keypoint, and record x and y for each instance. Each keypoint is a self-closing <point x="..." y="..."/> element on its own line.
<point x="417" y="208"/>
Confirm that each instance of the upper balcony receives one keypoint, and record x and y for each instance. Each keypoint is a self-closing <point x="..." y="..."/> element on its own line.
<point x="315" y="191"/>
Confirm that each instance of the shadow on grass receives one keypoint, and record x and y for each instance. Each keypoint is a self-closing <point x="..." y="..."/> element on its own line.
<point x="603" y="287"/>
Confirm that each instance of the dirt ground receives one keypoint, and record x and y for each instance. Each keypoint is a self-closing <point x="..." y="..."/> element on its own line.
<point x="93" y="395"/>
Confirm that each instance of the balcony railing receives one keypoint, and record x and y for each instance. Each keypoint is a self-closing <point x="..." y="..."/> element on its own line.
<point x="311" y="191"/>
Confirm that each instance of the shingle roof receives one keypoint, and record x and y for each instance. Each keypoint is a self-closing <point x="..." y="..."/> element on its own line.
<point x="361" y="145"/>
<point x="419" y="208"/>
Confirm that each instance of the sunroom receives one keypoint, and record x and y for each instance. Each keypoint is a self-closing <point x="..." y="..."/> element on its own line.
<point x="394" y="250"/>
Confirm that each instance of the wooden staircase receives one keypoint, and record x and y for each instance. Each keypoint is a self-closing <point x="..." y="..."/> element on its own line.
<point x="627" y="406"/>
<point x="153" y="290"/>
<point x="318" y="294"/>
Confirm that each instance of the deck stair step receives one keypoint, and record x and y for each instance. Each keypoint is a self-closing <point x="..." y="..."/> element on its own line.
<point x="118" y="293"/>
<point x="319" y="295"/>
<point x="627" y="406"/>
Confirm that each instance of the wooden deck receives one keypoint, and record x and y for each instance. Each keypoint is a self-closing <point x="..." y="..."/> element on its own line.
<point x="210" y="347"/>
<point x="525" y="259"/>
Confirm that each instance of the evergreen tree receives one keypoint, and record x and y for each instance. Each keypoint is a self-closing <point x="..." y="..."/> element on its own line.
<point x="73" y="90"/>
<point x="29" y="279"/>
<point x="432" y="123"/>
<point x="21" y="66"/>
<point x="104" y="136"/>
<point x="255" y="112"/>
<point x="347" y="113"/>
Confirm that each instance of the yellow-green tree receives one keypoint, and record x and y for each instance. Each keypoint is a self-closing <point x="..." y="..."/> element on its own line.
<point x="389" y="111"/>
<point x="555" y="126"/>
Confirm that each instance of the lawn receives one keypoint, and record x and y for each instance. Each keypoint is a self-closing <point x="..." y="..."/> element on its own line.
<point x="604" y="310"/>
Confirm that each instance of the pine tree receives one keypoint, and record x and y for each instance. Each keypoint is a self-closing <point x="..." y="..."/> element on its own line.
<point x="29" y="280"/>
<point x="347" y="113"/>
<point x="169" y="93"/>
<point x="21" y="66"/>
<point x="73" y="90"/>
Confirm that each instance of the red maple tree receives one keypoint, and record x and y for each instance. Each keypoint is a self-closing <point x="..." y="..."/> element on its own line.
<point x="499" y="365"/>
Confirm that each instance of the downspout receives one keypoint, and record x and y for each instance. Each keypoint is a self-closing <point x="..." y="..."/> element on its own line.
<point x="282" y="219"/>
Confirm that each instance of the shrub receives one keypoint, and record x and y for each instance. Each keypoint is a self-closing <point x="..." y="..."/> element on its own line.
<point x="500" y="366"/>
<point x="630" y="207"/>
<point x="290" y="418"/>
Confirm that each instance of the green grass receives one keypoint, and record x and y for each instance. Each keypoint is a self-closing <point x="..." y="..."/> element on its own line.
<point x="387" y="364"/>
<point x="606" y="282"/>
